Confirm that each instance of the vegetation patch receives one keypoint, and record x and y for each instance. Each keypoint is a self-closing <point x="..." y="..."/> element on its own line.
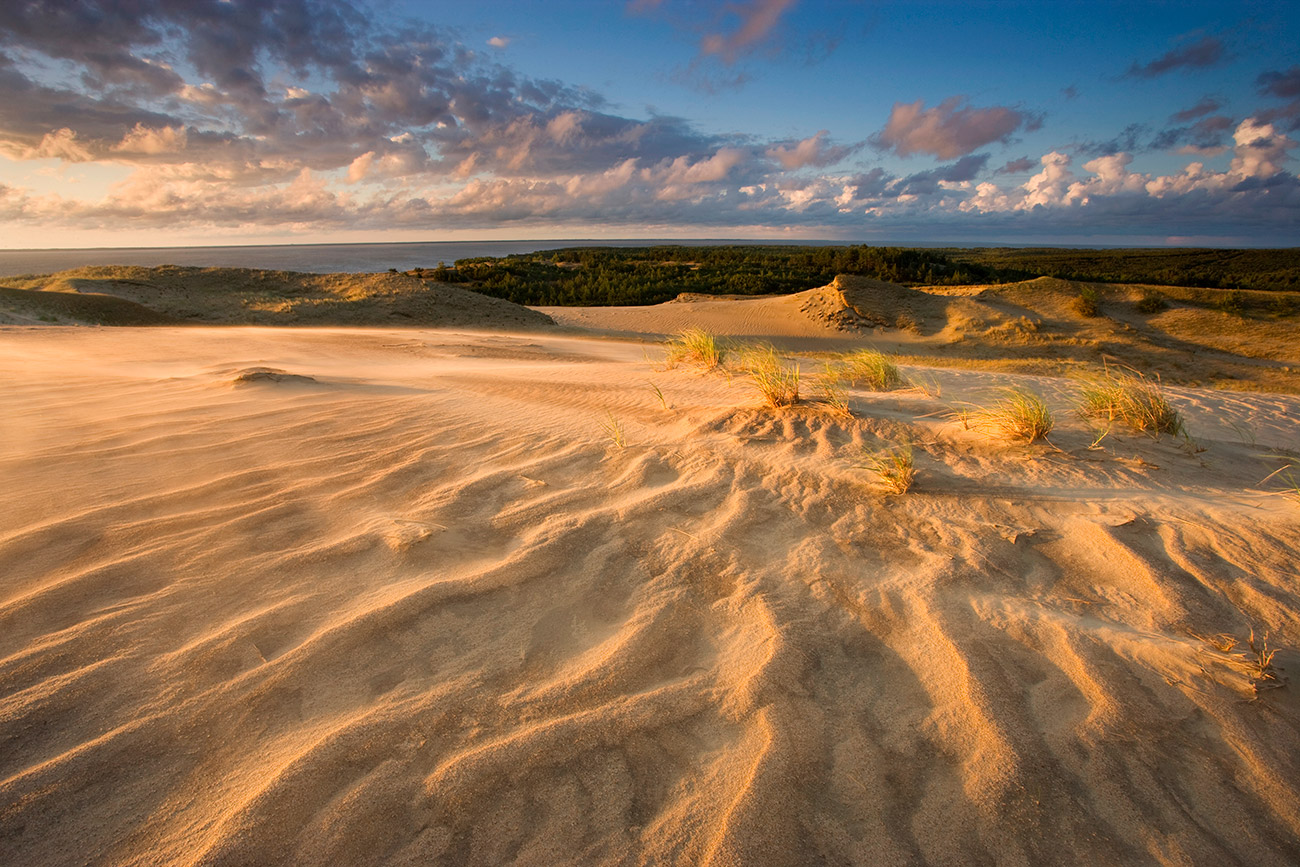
<point x="894" y="468"/>
<point x="1132" y="400"/>
<point x="870" y="368"/>
<point x="1019" y="415"/>
<point x="696" y="346"/>
<point x="775" y="380"/>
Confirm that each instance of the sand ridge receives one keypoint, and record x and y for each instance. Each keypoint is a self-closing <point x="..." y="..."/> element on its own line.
<point x="132" y="295"/>
<point x="422" y="610"/>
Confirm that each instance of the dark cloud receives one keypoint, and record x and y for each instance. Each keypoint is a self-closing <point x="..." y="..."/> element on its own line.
<point x="405" y="94"/>
<point x="1207" y="105"/>
<point x="1284" y="84"/>
<point x="1208" y="134"/>
<point x="1204" y="52"/>
<point x="1070" y="92"/>
<point x="1015" y="167"/>
<point x="950" y="129"/>
<point x="928" y="182"/>
<point x="1129" y="140"/>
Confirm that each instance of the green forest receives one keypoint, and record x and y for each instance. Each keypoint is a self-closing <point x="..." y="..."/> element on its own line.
<point x="599" y="276"/>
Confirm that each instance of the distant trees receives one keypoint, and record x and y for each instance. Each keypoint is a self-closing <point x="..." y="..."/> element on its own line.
<point x="650" y="275"/>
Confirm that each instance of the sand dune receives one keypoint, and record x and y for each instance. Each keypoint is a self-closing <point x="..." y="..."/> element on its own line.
<point x="1029" y="326"/>
<point x="130" y="295"/>
<point x="404" y="602"/>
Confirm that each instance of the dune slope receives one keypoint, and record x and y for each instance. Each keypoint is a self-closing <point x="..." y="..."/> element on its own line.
<point x="404" y="601"/>
<point x="247" y="296"/>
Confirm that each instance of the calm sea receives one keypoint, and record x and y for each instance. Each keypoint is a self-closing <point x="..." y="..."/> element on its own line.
<point x="320" y="258"/>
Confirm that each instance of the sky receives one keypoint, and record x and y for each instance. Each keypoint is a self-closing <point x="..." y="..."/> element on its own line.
<point x="191" y="122"/>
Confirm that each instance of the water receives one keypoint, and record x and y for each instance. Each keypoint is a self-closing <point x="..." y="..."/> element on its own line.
<point x="317" y="258"/>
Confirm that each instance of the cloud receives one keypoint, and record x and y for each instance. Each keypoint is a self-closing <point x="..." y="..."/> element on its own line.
<point x="1284" y="84"/>
<point x="1206" y="137"/>
<point x="1015" y="167"/>
<point x="327" y="115"/>
<point x="499" y="41"/>
<point x="1128" y="140"/>
<point x="812" y="151"/>
<point x="1204" y="52"/>
<point x="1207" y="105"/>
<point x="756" y="19"/>
<point x="950" y="129"/>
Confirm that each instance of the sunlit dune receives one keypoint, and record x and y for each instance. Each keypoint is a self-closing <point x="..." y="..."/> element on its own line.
<point x="412" y="595"/>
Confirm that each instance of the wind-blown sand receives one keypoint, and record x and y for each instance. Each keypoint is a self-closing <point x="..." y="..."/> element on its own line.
<point x="328" y="596"/>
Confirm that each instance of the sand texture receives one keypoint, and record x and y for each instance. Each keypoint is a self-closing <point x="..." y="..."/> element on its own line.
<point x="328" y="596"/>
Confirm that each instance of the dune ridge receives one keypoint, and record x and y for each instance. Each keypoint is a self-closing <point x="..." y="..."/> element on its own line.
<point x="133" y="295"/>
<point x="422" y="610"/>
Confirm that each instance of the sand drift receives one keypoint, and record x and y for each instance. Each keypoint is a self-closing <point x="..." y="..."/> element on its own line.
<point x="397" y="597"/>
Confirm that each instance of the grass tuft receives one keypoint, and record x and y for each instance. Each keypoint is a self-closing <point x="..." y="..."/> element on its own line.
<point x="1132" y="399"/>
<point x="659" y="394"/>
<point x="872" y="369"/>
<point x="696" y="346"/>
<point x="830" y="390"/>
<point x="1088" y="302"/>
<point x="613" y="429"/>
<point x="1288" y="475"/>
<point x="1151" y="302"/>
<point x="1020" y="415"/>
<point x="894" y="468"/>
<point x="774" y="380"/>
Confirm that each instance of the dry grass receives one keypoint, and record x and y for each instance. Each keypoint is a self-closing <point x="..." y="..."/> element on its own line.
<point x="1288" y="476"/>
<point x="1133" y="400"/>
<point x="613" y="429"/>
<point x="659" y="394"/>
<point x="1019" y="415"/>
<point x="776" y="381"/>
<point x="872" y="369"/>
<point x="829" y="386"/>
<point x="696" y="346"/>
<point x="894" y="468"/>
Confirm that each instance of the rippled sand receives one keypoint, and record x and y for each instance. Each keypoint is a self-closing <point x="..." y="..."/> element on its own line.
<point x="405" y="602"/>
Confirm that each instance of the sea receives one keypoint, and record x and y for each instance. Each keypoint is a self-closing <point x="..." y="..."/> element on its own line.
<point x="315" y="258"/>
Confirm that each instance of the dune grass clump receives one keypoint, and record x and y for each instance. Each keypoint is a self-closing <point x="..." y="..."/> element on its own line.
<point x="1088" y="302"/>
<point x="872" y="369"/>
<point x="830" y="390"/>
<point x="696" y="346"/>
<point x="1019" y="415"/>
<point x="1133" y="400"/>
<point x="1151" y="302"/>
<point x="774" y="380"/>
<point x="894" y="468"/>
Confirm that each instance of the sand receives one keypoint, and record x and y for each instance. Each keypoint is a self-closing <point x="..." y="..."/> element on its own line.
<point x="394" y="596"/>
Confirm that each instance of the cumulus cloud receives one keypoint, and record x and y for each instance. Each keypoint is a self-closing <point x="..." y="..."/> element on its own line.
<point x="321" y="114"/>
<point x="499" y="41"/>
<point x="950" y="129"/>
<point x="1204" y="52"/>
<point x="812" y="151"/>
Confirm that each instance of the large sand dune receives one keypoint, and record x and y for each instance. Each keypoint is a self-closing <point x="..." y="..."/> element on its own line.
<point x="131" y="295"/>
<point x="324" y="596"/>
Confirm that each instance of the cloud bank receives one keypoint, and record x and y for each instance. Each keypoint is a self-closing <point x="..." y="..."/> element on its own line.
<point x="320" y="115"/>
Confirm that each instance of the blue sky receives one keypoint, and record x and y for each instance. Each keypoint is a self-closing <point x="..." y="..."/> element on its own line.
<point x="165" y="122"/>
